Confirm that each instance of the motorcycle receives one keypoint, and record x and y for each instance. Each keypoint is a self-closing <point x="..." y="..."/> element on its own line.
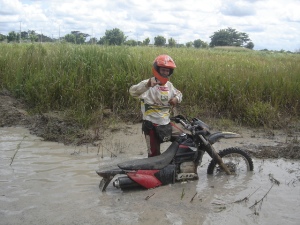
<point x="180" y="160"/>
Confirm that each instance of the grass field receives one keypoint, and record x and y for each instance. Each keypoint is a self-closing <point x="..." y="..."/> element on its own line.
<point x="250" y="87"/>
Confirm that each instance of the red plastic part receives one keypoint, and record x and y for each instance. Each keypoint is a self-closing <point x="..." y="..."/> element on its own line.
<point x="145" y="178"/>
<point x="183" y="146"/>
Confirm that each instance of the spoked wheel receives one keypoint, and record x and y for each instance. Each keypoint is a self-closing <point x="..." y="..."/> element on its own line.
<point x="237" y="161"/>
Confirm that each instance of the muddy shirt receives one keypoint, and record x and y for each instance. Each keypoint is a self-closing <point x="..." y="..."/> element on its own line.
<point x="155" y="100"/>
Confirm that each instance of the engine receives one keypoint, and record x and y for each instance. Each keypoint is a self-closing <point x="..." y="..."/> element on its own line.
<point x="188" y="171"/>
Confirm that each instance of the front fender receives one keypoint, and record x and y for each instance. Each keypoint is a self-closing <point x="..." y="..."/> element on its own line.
<point x="213" y="138"/>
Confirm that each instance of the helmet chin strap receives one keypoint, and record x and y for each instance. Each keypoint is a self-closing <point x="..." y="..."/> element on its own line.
<point x="159" y="82"/>
<point x="163" y="80"/>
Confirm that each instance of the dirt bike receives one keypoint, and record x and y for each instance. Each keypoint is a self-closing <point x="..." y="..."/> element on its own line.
<point x="180" y="160"/>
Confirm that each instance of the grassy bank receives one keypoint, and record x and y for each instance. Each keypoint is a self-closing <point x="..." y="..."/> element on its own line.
<point x="254" y="88"/>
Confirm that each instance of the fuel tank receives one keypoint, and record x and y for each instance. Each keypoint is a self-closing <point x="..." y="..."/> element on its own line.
<point x="186" y="151"/>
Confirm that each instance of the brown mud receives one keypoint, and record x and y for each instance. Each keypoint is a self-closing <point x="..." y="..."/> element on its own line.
<point x="53" y="126"/>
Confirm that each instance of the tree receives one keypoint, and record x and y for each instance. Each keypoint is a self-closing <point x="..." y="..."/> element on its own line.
<point x="172" y="42"/>
<point x="146" y="41"/>
<point x="200" y="44"/>
<point x="12" y="36"/>
<point x="92" y="40"/>
<point x="249" y="45"/>
<point x="228" y="37"/>
<point x="32" y="36"/>
<point x="44" y="38"/>
<point x="189" y="44"/>
<point x="197" y="43"/>
<point x="113" y="37"/>
<point x="24" y="35"/>
<point x="75" y="37"/>
<point x="103" y="41"/>
<point x="2" y="37"/>
<point x="204" y="44"/>
<point x="70" y="38"/>
<point x="79" y="37"/>
<point x="159" y="41"/>
<point x="131" y="42"/>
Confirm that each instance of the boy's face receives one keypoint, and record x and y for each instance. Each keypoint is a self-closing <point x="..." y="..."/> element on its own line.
<point x="165" y="72"/>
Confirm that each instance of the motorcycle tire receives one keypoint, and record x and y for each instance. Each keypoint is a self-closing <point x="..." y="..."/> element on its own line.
<point x="237" y="160"/>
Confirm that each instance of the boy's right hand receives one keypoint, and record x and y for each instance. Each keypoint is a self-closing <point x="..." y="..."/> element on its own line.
<point x="152" y="82"/>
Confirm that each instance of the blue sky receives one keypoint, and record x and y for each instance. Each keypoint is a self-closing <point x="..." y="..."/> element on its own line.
<point x="270" y="24"/>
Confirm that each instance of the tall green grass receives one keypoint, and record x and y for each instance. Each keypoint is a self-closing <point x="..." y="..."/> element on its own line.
<point x="255" y="88"/>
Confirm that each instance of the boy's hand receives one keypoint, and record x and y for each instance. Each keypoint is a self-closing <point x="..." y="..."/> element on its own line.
<point x="152" y="82"/>
<point x="173" y="101"/>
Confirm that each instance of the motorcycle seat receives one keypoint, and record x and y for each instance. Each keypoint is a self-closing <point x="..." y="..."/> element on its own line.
<point x="152" y="163"/>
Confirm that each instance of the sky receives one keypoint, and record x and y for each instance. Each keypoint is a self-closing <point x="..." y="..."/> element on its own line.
<point x="270" y="24"/>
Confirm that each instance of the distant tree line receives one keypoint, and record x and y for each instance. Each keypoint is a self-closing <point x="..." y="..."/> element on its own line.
<point x="223" y="37"/>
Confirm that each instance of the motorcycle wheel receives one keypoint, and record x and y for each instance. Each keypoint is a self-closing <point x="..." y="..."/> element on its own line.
<point x="237" y="161"/>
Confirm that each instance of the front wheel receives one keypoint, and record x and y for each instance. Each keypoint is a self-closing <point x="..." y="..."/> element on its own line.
<point x="237" y="161"/>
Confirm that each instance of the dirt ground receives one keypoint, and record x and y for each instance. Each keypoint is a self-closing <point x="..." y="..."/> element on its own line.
<point x="50" y="126"/>
<point x="54" y="127"/>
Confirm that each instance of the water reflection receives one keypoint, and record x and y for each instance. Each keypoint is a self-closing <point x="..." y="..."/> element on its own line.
<point x="49" y="183"/>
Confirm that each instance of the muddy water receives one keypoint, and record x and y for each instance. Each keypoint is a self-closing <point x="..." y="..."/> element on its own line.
<point x="49" y="183"/>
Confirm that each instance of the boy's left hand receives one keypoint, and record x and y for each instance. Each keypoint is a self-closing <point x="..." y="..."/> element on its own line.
<point x="173" y="101"/>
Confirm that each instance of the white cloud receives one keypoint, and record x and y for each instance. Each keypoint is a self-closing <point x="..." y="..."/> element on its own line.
<point x="10" y="7"/>
<point x="238" y="8"/>
<point x="270" y="24"/>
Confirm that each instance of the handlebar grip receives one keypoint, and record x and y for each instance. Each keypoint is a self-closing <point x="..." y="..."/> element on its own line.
<point x="186" y="126"/>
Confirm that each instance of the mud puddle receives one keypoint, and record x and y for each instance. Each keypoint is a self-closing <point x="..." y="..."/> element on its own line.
<point x="50" y="183"/>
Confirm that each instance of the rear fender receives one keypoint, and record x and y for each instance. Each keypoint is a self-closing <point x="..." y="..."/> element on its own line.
<point x="213" y="138"/>
<point x="145" y="178"/>
<point x="108" y="174"/>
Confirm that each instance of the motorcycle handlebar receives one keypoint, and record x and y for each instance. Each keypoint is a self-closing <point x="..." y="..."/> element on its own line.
<point x="191" y="127"/>
<point x="195" y="125"/>
<point x="186" y="125"/>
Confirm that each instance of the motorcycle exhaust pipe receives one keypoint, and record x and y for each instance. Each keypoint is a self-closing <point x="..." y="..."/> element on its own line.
<point x="125" y="182"/>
